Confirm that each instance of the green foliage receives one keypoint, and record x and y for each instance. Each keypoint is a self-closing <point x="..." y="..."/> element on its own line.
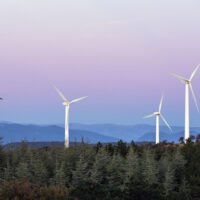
<point x="99" y="170"/>
<point x="22" y="171"/>
<point x="116" y="171"/>
<point x="24" y="190"/>
<point x="132" y="166"/>
<point x="146" y="172"/>
<point x="149" y="167"/>
<point x="81" y="171"/>
<point x="122" y="148"/>
<point x="169" y="182"/>
<point x="39" y="172"/>
<point x="2" y="160"/>
<point x="90" y="191"/>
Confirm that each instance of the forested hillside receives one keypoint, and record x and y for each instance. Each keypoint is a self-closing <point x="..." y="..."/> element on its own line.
<point x="83" y="172"/>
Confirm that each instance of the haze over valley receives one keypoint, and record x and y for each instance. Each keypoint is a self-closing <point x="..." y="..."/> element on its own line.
<point x="93" y="133"/>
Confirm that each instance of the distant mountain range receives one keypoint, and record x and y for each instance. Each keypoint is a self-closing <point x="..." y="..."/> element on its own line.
<point x="12" y="132"/>
<point x="138" y="133"/>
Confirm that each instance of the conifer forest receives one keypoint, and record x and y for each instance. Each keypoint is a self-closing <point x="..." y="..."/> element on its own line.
<point x="120" y="171"/>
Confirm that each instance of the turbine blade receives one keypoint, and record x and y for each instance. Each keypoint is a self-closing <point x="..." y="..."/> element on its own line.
<point x="194" y="96"/>
<point x="148" y="116"/>
<point x="79" y="99"/>
<point x="179" y="77"/>
<point x="62" y="96"/>
<point x="194" y="72"/>
<point x="166" y="122"/>
<point x="160" y="106"/>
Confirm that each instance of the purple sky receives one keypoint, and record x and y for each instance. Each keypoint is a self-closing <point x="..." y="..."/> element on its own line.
<point x="119" y="53"/>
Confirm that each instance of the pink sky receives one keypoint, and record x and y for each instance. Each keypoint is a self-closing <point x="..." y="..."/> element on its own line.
<point x="119" y="53"/>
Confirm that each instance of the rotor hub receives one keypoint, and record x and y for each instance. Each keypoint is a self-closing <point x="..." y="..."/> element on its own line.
<point x="65" y="104"/>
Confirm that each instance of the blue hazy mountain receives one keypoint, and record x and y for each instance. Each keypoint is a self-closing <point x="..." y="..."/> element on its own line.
<point x="124" y="132"/>
<point x="11" y="132"/>
<point x="138" y="133"/>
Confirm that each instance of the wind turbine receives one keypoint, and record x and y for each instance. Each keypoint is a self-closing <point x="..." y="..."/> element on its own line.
<point x="66" y="103"/>
<point x="188" y="84"/>
<point x="158" y="114"/>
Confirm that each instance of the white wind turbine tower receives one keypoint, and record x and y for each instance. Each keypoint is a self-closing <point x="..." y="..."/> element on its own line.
<point x="66" y="103"/>
<point x="188" y="84"/>
<point x="158" y="114"/>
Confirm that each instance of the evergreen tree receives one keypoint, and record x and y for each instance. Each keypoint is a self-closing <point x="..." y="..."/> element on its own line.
<point x="81" y="171"/>
<point x="122" y="148"/>
<point x="164" y="162"/>
<point x="23" y="153"/>
<point x="70" y="158"/>
<point x="8" y="173"/>
<point x="22" y="171"/>
<point x="98" y="146"/>
<point x="145" y="172"/>
<point x="2" y="160"/>
<point x="178" y="163"/>
<point x="39" y="172"/>
<point x="178" y="160"/>
<point x="184" y="190"/>
<point x="60" y="175"/>
<point x="149" y="167"/>
<point x="99" y="168"/>
<point x="116" y="171"/>
<point x="110" y="149"/>
<point x="132" y="167"/>
<point x="169" y="183"/>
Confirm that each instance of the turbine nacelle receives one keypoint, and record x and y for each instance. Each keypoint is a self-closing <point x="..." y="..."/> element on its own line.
<point x="187" y="82"/>
<point x="65" y="104"/>
<point x="159" y="115"/>
<point x="156" y="113"/>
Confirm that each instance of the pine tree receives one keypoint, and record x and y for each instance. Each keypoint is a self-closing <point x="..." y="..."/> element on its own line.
<point x="60" y="175"/>
<point x="23" y="153"/>
<point x="99" y="168"/>
<point x="178" y="164"/>
<point x="39" y="172"/>
<point x="163" y="165"/>
<point x="184" y="190"/>
<point x="122" y="148"/>
<point x="81" y="171"/>
<point x="8" y="173"/>
<point x="22" y="171"/>
<point x="178" y="160"/>
<point x="70" y="158"/>
<point x="2" y="160"/>
<point x="149" y="167"/>
<point x="132" y="166"/>
<point x="116" y="171"/>
<point x="169" y="183"/>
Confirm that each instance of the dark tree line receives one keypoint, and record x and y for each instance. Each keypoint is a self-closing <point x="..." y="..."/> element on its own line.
<point x="84" y="172"/>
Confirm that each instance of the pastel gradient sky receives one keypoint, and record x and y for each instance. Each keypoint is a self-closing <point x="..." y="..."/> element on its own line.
<point x="118" y="52"/>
